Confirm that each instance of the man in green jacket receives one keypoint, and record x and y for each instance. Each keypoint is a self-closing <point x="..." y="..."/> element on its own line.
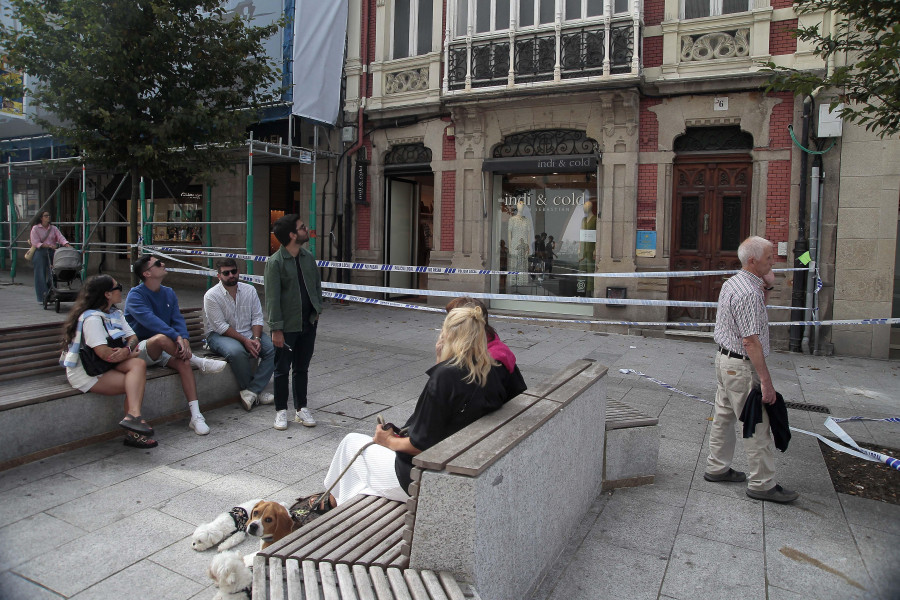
<point x="293" y="306"/>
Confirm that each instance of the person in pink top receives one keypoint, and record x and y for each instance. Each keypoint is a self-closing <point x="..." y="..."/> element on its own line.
<point x="513" y="382"/>
<point x="46" y="238"/>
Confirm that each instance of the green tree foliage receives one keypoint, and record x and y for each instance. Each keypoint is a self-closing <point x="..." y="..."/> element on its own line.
<point x="866" y="42"/>
<point x="153" y="87"/>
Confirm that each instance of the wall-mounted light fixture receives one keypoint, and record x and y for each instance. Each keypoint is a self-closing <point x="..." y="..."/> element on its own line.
<point x="450" y="132"/>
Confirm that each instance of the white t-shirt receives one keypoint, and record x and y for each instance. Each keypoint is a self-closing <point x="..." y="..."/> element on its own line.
<point x="93" y="330"/>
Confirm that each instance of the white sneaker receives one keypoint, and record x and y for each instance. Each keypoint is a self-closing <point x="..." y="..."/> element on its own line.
<point x="248" y="399"/>
<point x="281" y="420"/>
<point x="210" y="365"/>
<point x="266" y="398"/>
<point x="305" y="418"/>
<point x="198" y="424"/>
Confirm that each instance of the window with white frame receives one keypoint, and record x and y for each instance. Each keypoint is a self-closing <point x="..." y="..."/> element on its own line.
<point x="695" y="9"/>
<point x="412" y="27"/>
<point x="494" y="15"/>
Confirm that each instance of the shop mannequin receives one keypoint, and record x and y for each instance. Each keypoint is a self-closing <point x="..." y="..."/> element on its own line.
<point x="520" y="232"/>
<point x="587" y="245"/>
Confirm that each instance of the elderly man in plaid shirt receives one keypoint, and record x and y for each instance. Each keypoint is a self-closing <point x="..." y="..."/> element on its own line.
<point x="742" y="333"/>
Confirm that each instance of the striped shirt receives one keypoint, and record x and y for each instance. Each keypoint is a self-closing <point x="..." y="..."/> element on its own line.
<point x="742" y="313"/>
<point x="47" y="236"/>
<point x="221" y="312"/>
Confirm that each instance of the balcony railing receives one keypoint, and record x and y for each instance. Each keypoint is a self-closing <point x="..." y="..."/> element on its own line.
<point x="603" y="49"/>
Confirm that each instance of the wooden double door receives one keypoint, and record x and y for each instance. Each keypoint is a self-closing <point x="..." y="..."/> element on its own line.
<point x="710" y="218"/>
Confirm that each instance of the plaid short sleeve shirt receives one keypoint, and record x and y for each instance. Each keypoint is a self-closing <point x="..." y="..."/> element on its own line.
<point x="742" y="313"/>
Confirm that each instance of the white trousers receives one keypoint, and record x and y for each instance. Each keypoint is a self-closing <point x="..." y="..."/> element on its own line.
<point x="372" y="474"/>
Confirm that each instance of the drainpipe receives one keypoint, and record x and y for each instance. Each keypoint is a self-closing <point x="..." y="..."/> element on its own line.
<point x="801" y="245"/>
<point x="814" y="201"/>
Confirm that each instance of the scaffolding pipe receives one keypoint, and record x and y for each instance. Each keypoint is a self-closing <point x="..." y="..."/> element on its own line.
<point x="312" y="201"/>
<point x="250" y="205"/>
<point x="99" y="220"/>
<point x="84" y="219"/>
<point x="12" y="220"/>
<point x="145" y="216"/>
<point x="209" y="262"/>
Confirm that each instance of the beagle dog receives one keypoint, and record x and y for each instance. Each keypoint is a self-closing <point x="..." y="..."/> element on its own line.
<point x="270" y="521"/>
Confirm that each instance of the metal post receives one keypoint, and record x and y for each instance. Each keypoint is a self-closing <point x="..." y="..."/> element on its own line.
<point x="3" y="211"/>
<point x="801" y="244"/>
<point x="208" y="236"/>
<point x="145" y="216"/>
<point x="250" y="205"/>
<point x="312" y="201"/>
<point x="84" y="222"/>
<point x="12" y="220"/>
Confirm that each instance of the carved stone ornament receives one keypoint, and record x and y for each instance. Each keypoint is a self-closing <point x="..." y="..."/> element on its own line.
<point x="411" y="80"/>
<point x="712" y="46"/>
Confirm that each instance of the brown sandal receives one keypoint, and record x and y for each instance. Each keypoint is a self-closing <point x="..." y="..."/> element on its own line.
<point x="135" y="440"/>
<point x="136" y="424"/>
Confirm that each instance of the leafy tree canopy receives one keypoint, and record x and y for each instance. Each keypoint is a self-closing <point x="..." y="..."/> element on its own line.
<point x="866" y="42"/>
<point x="150" y="86"/>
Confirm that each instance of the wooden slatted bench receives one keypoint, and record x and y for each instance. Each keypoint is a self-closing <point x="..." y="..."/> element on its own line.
<point x="512" y="486"/>
<point x="632" y="447"/>
<point x="35" y="396"/>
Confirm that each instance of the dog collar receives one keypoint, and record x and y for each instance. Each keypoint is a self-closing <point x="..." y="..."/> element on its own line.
<point x="248" y="590"/>
<point x="240" y="517"/>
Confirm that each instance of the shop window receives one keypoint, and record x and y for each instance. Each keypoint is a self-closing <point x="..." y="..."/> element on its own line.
<point x="695" y="9"/>
<point x="412" y="27"/>
<point x="178" y="219"/>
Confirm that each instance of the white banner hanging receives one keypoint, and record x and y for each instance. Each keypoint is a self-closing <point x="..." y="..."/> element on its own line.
<point x="319" y="32"/>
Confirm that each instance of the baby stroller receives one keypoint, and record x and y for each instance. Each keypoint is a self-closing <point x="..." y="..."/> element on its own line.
<point x="66" y="268"/>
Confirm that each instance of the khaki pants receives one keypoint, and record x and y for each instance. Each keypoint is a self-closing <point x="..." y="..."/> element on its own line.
<point x="735" y="377"/>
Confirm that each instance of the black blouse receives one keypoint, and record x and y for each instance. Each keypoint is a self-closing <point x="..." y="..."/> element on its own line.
<point x="446" y="405"/>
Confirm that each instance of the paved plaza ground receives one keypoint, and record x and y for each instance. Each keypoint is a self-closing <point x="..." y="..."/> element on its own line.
<point x="106" y="521"/>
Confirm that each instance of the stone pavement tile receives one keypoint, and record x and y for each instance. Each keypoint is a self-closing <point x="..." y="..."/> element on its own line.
<point x="601" y="570"/>
<point x="113" y="503"/>
<point x="878" y="549"/>
<point x="777" y="593"/>
<point x="223" y="460"/>
<point x="713" y="570"/>
<point x="735" y="522"/>
<point x="184" y="560"/>
<point x="686" y="428"/>
<point x="629" y="521"/>
<point x="86" y="561"/>
<point x="883" y="434"/>
<point x="204" y="503"/>
<point x="15" y="587"/>
<point x="33" y="536"/>
<point x="356" y="408"/>
<point x="813" y="563"/>
<point x="38" y="496"/>
<point x="669" y="488"/>
<point x="274" y="441"/>
<point x="313" y="483"/>
<point x="287" y="467"/>
<point x="143" y="580"/>
<point x="679" y="455"/>
<point x="809" y="513"/>
<point x="57" y="464"/>
<point x="882" y="516"/>
<point x="320" y="451"/>
<point x="206" y="593"/>
<point x="127" y="463"/>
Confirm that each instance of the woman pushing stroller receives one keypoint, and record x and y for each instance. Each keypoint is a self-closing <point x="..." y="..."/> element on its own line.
<point x="45" y="239"/>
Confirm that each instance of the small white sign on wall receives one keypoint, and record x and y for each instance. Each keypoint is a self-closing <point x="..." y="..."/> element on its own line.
<point x="720" y="103"/>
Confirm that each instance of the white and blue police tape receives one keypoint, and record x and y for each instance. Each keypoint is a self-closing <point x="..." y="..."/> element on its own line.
<point x="831" y="423"/>
<point x="452" y="270"/>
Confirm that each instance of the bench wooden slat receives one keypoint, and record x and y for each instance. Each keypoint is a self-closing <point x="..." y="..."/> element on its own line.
<point x="314" y="546"/>
<point x="363" y="583"/>
<point x="345" y="582"/>
<point x="292" y="574"/>
<point x="433" y="585"/>
<point x="416" y="588"/>
<point x="451" y="586"/>
<point x="310" y="580"/>
<point x="39" y="371"/>
<point x="486" y="452"/>
<point x="329" y="582"/>
<point x="560" y="377"/>
<point x="282" y="547"/>
<point x="381" y="583"/>
<point x="437" y="457"/>
<point x="276" y="581"/>
<point x="398" y="584"/>
<point x="573" y="388"/>
<point x="365" y="535"/>
<point x="622" y="416"/>
<point x="259" y="578"/>
<point x="387" y="553"/>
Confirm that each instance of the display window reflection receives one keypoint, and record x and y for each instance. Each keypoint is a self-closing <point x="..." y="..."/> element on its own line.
<point x="545" y="228"/>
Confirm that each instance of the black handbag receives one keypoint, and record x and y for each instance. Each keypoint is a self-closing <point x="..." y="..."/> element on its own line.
<point x="92" y="364"/>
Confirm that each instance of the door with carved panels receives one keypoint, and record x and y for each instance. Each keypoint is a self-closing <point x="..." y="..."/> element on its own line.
<point x="710" y="218"/>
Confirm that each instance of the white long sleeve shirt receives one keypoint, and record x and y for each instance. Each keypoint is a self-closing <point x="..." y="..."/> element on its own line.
<point x="221" y="312"/>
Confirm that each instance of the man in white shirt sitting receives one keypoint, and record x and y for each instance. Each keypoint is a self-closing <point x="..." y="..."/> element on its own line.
<point x="234" y="329"/>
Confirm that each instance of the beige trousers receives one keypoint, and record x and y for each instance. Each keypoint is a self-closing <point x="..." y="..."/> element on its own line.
<point x="735" y="378"/>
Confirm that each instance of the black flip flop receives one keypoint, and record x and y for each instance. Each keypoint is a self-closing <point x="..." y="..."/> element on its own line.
<point x="134" y="424"/>
<point x="136" y="440"/>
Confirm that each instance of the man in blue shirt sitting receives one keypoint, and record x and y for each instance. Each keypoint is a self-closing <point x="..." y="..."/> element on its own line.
<point x="151" y="310"/>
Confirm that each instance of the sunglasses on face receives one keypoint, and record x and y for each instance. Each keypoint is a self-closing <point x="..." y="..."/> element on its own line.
<point x="117" y="288"/>
<point x="155" y="263"/>
<point x="229" y="272"/>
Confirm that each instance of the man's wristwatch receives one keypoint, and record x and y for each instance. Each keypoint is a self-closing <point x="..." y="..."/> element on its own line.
<point x="256" y="337"/>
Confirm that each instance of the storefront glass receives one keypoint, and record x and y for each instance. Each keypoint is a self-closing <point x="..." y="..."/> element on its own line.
<point x="179" y="218"/>
<point x="545" y="224"/>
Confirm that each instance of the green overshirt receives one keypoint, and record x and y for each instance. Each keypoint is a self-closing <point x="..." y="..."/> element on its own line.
<point x="284" y="307"/>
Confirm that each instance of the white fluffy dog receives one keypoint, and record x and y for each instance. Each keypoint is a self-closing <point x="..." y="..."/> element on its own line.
<point x="233" y="579"/>
<point x="231" y="525"/>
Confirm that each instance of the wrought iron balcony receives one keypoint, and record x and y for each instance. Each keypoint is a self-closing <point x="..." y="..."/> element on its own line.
<point x="604" y="49"/>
